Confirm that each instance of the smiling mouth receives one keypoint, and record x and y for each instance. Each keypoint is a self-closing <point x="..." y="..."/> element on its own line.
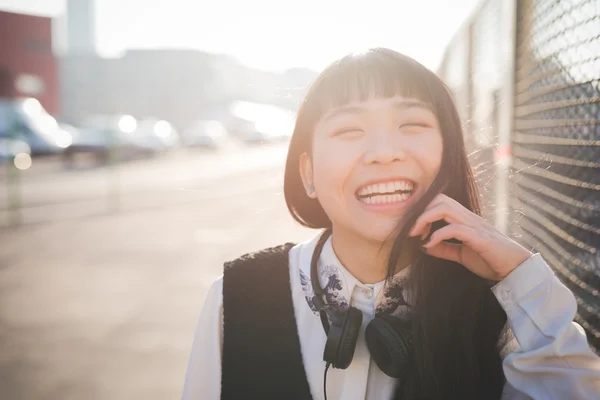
<point x="386" y="192"/>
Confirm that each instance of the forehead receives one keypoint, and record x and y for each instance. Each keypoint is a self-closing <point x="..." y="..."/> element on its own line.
<point x="396" y="103"/>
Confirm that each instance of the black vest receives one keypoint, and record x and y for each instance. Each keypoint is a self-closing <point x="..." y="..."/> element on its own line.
<point x="261" y="356"/>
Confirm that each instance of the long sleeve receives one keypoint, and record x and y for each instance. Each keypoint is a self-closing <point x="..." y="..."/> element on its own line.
<point x="203" y="377"/>
<point x="554" y="360"/>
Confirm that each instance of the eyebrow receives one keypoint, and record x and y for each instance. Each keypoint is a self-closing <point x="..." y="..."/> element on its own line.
<point x="397" y="104"/>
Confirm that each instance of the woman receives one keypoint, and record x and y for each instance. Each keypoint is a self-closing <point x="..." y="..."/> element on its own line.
<point x="407" y="293"/>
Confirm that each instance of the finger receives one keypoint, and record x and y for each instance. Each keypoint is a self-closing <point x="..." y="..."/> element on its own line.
<point x="424" y="234"/>
<point x="442" y="211"/>
<point x="464" y="233"/>
<point x="426" y="231"/>
<point x="447" y="251"/>
<point x="451" y="205"/>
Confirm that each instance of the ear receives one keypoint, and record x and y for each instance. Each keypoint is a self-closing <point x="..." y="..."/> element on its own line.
<point x="306" y="173"/>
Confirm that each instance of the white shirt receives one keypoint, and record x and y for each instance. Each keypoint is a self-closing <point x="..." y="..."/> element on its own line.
<point x="548" y="359"/>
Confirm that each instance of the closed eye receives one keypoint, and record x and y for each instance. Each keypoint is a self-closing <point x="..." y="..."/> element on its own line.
<point x="347" y="132"/>
<point x="415" y="125"/>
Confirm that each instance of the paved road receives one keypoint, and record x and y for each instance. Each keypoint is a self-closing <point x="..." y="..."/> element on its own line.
<point x="97" y="305"/>
<point x="47" y="192"/>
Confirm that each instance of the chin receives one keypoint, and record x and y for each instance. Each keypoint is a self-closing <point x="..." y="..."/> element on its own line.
<point x="380" y="234"/>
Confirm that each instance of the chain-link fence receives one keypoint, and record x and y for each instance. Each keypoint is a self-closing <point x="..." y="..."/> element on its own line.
<point x="554" y="130"/>
<point x="557" y="143"/>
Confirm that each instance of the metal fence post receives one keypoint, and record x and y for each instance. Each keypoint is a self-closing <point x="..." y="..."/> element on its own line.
<point x="13" y="192"/>
<point x="113" y="179"/>
<point x="505" y="115"/>
<point x="13" y="182"/>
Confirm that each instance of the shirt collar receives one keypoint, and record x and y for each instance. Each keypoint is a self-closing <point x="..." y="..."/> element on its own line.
<point x="339" y="284"/>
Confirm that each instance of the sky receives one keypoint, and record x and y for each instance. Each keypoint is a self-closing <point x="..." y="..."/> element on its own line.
<point x="270" y="34"/>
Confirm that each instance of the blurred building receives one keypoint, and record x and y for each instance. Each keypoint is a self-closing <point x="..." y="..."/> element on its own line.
<point x="180" y="86"/>
<point x="27" y="65"/>
<point x="81" y="26"/>
<point x="176" y="85"/>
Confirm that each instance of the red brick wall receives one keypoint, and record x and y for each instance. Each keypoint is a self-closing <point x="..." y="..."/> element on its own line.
<point x="26" y="48"/>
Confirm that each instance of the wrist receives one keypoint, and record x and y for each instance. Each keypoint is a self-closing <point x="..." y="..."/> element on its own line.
<point x="519" y="259"/>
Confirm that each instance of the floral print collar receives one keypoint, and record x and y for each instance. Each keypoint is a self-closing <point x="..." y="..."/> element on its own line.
<point x="339" y="285"/>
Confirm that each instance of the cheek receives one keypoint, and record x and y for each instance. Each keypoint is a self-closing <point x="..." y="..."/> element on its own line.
<point x="428" y="153"/>
<point x="331" y="168"/>
<point x="328" y="170"/>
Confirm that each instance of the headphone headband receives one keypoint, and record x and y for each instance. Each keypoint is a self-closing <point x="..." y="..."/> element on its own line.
<point x="318" y="300"/>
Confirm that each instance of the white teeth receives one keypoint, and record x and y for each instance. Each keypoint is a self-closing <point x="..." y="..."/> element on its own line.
<point x="386" y="188"/>
<point x="385" y="199"/>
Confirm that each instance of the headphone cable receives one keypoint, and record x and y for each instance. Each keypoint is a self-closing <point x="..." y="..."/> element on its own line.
<point x="325" y="382"/>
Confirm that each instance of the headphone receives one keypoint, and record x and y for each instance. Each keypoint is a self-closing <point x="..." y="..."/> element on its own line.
<point x="389" y="339"/>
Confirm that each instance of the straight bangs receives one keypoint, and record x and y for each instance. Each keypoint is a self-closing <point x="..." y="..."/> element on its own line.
<point x="378" y="73"/>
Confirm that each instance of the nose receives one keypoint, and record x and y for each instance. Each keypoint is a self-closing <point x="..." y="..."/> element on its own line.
<point x="382" y="149"/>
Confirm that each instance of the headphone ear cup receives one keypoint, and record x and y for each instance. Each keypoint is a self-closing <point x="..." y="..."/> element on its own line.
<point x="390" y="343"/>
<point x="343" y="333"/>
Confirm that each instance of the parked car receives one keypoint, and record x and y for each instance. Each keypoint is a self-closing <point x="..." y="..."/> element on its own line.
<point x="26" y="120"/>
<point x="155" y="136"/>
<point x="104" y="138"/>
<point x="256" y="136"/>
<point x="264" y="123"/>
<point x="265" y="132"/>
<point x="10" y="148"/>
<point x="87" y="142"/>
<point x="207" y="134"/>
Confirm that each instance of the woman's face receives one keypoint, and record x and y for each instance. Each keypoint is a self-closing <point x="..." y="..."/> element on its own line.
<point x="371" y="161"/>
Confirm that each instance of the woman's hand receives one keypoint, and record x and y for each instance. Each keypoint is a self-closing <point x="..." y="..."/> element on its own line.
<point x="484" y="250"/>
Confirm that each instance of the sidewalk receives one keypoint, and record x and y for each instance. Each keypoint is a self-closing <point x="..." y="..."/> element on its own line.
<point x="105" y="307"/>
